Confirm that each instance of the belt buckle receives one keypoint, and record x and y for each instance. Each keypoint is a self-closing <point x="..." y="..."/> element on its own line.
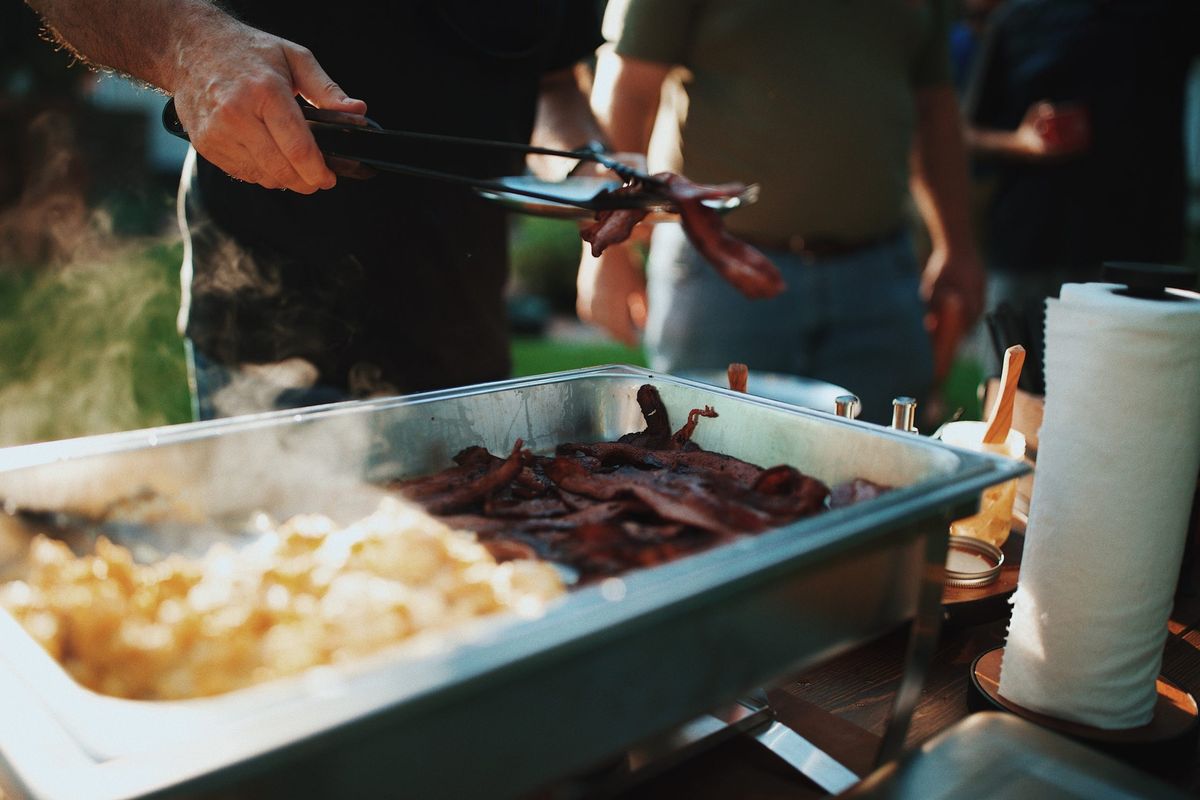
<point x="817" y="249"/>
<point x="811" y="250"/>
<point x="798" y="245"/>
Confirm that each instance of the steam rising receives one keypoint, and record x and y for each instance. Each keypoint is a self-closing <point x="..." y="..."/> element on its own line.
<point x="87" y="342"/>
<point x="49" y="223"/>
<point x="91" y="348"/>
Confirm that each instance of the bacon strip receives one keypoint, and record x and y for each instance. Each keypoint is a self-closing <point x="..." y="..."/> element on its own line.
<point x="750" y="272"/>
<point x="657" y="434"/>
<point x="684" y="435"/>
<point x="461" y="495"/>
<point x="616" y="454"/>
<point x="615" y="226"/>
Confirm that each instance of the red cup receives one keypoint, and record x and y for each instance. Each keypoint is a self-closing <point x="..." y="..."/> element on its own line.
<point x="1065" y="128"/>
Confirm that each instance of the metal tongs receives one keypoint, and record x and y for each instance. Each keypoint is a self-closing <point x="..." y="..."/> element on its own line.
<point x="347" y="137"/>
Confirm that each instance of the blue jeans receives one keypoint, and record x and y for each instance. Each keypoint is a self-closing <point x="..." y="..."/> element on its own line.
<point x="853" y="320"/>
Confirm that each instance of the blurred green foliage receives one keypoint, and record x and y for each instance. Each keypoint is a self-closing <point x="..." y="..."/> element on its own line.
<point x="91" y="347"/>
<point x="961" y="390"/>
<point x="544" y="257"/>
<point x="536" y="356"/>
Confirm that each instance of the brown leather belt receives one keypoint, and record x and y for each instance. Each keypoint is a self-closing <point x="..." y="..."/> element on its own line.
<point x="822" y="248"/>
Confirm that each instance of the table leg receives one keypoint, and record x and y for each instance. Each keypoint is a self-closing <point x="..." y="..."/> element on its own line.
<point x="922" y="641"/>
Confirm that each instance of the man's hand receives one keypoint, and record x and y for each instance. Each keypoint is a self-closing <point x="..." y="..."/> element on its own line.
<point x="1051" y="131"/>
<point x="954" y="290"/>
<point x="236" y="97"/>
<point x="953" y="282"/>
<point x="611" y="292"/>
<point x="959" y="274"/>
<point x="1048" y="133"/>
<point x="564" y="121"/>
<point x="235" y="86"/>
<point x="611" y="289"/>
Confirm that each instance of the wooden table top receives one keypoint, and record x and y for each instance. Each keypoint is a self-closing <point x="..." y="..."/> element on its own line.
<point x="842" y="706"/>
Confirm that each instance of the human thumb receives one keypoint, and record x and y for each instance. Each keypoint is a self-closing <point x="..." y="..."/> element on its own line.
<point x="638" y="308"/>
<point x="315" y="85"/>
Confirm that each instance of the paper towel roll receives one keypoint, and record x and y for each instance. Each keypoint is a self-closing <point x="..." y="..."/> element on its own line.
<point x="1116" y="472"/>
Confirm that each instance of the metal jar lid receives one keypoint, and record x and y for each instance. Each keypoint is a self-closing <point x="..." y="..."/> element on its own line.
<point x="980" y="549"/>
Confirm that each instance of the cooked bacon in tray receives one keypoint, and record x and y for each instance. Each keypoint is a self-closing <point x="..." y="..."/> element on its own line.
<point x="605" y="507"/>
<point x="750" y="272"/>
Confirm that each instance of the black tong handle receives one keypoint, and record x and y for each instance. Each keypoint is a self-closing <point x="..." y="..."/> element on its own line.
<point x="337" y="135"/>
<point x="371" y="134"/>
<point x="335" y="120"/>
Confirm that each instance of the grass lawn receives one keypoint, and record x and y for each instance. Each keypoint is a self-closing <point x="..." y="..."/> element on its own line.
<point x="534" y="356"/>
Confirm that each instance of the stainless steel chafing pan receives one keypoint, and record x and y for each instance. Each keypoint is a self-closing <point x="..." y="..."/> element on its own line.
<point x="510" y="705"/>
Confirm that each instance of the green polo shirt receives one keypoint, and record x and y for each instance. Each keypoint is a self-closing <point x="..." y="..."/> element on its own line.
<point x="811" y="99"/>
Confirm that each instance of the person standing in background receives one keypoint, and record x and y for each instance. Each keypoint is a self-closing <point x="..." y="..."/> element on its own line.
<point x="1075" y="116"/>
<point x="835" y="110"/>
<point x="965" y="34"/>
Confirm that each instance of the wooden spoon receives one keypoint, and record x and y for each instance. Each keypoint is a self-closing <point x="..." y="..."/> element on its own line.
<point x="1000" y="419"/>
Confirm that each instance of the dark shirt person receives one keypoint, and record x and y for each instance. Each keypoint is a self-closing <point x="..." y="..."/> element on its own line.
<point x="380" y="286"/>
<point x="1076" y="113"/>
<point x="965" y="34"/>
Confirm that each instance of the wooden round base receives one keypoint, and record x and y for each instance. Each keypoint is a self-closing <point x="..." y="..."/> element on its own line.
<point x="1167" y="739"/>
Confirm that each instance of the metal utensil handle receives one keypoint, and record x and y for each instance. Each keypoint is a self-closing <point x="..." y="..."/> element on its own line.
<point x="171" y="122"/>
<point x="809" y="760"/>
<point x="317" y="117"/>
<point x="600" y="201"/>
<point x="320" y="118"/>
<point x="593" y="151"/>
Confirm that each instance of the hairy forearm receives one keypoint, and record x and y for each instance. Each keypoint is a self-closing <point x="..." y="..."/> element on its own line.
<point x="147" y="39"/>
<point x="564" y="122"/>
<point x="939" y="173"/>
<point x="564" y="118"/>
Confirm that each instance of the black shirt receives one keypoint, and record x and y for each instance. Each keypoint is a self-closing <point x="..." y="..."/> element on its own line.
<point x="1125" y="62"/>
<point x="391" y="284"/>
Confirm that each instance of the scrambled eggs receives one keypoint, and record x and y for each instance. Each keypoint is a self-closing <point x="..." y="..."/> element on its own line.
<point x="307" y="592"/>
